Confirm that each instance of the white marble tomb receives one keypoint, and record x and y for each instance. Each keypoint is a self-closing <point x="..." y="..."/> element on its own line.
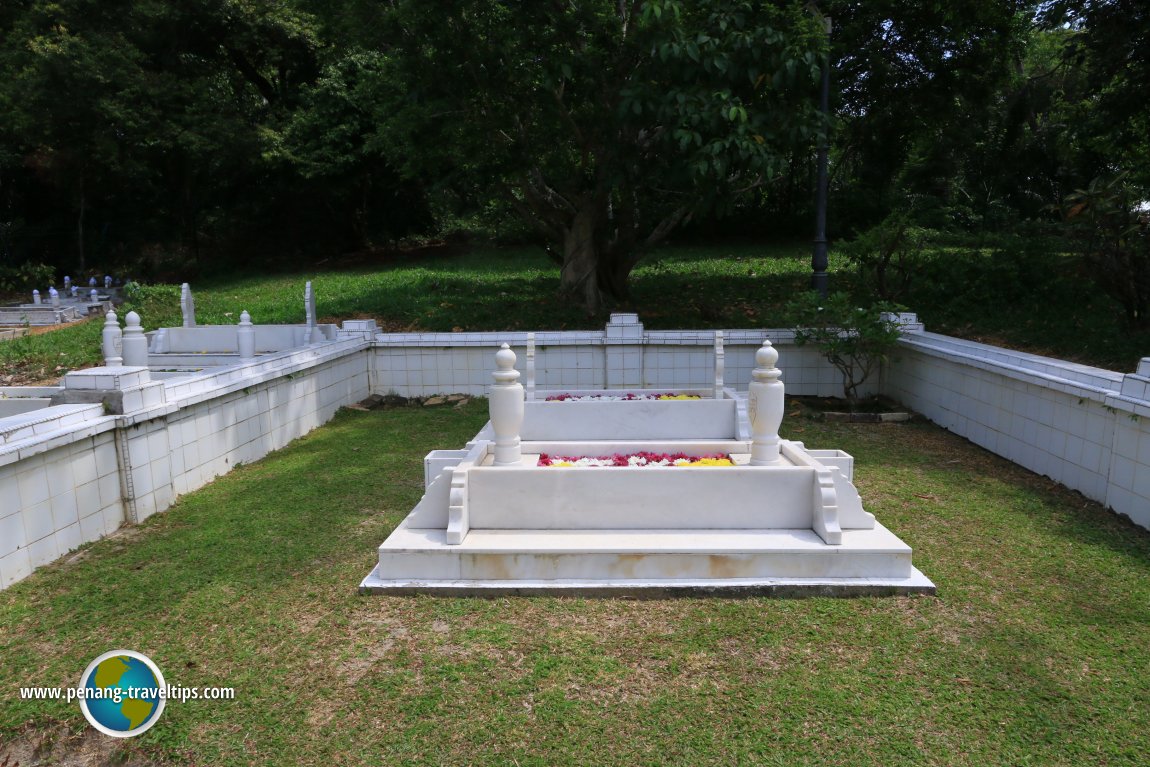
<point x="783" y="519"/>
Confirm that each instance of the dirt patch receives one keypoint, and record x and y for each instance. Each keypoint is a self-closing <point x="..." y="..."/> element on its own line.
<point x="815" y="407"/>
<point x="62" y="747"/>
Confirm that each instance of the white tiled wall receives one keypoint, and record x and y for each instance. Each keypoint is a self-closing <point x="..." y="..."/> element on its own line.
<point x="1129" y="488"/>
<point x="55" y="498"/>
<point x="407" y="364"/>
<point x="52" y="502"/>
<point x="1066" y="421"/>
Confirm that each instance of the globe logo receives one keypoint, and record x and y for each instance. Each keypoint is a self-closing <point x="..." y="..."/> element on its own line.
<point x="122" y="693"/>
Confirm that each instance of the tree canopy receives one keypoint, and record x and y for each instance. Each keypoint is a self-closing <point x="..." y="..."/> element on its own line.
<point x="171" y="137"/>
<point x="603" y="124"/>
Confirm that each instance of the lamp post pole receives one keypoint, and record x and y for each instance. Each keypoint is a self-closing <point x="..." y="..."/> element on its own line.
<point x="819" y="278"/>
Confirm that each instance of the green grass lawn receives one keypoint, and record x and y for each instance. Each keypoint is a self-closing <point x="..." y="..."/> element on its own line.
<point x="1035" y="650"/>
<point x="1043" y="308"/>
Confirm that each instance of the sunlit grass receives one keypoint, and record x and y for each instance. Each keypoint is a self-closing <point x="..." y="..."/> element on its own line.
<point x="1034" y="651"/>
<point x="1045" y="307"/>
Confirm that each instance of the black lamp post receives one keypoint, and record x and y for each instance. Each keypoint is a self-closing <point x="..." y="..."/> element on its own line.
<point x="819" y="278"/>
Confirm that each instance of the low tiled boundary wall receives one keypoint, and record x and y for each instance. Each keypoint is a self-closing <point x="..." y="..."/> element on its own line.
<point x="623" y="355"/>
<point x="72" y="473"/>
<point x="1085" y="427"/>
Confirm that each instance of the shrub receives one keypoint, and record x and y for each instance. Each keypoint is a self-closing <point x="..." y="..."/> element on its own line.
<point x="855" y="339"/>
<point x="25" y="277"/>
<point x="886" y="256"/>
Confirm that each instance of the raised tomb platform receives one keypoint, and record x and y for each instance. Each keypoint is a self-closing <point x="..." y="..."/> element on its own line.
<point x="779" y="519"/>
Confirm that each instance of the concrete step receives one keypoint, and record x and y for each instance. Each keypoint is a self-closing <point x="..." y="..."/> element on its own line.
<point x="614" y="561"/>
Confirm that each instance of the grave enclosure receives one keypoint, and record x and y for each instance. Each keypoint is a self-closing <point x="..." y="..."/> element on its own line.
<point x="60" y="307"/>
<point x="177" y="407"/>
<point x="778" y="518"/>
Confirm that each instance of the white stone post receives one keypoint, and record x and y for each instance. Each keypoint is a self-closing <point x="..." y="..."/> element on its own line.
<point x="246" y="338"/>
<point x="505" y="406"/>
<point x="187" y="306"/>
<point x="36" y="297"/>
<point x="531" y="366"/>
<point x="312" y="335"/>
<point x="94" y="296"/>
<point x="135" y="344"/>
<point x="67" y="284"/>
<point x="113" y="341"/>
<point x="55" y="296"/>
<point x="91" y="282"/>
<point x="107" y="282"/>
<point x="765" y="406"/>
<point x="75" y="291"/>
<point x="720" y="364"/>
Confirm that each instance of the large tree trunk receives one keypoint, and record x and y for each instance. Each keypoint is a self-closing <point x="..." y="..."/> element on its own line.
<point x="579" y="276"/>
<point x="82" y="208"/>
<point x="614" y="271"/>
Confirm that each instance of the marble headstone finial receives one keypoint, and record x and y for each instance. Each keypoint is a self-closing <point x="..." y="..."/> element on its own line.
<point x="765" y="406"/>
<point x="505" y="406"/>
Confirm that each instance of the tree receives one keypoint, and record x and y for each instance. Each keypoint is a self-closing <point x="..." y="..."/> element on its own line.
<point x="1110" y="41"/>
<point x="140" y="118"/>
<point x="605" y="124"/>
<point x="916" y="84"/>
<point x="1114" y="237"/>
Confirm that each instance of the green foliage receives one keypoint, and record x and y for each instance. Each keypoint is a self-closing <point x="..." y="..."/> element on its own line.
<point x="135" y="129"/>
<point x="25" y="277"/>
<point x="855" y="339"/>
<point x="1114" y="236"/>
<point x="915" y="83"/>
<point x="887" y="256"/>
<point x="606" y="125"/>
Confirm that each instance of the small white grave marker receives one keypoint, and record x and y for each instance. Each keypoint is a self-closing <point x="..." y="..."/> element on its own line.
<point x="312" y="336"/>
<point x="187" y="305"/>
<point x="720" y="364"/>
<point x="134" y="347"/>
<point x="531" y="366"/>
<point x="55" y="296"/>
<point x="246" y="338"/>
<point x="36" y="297"/>
<point x="113" y="340"/>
